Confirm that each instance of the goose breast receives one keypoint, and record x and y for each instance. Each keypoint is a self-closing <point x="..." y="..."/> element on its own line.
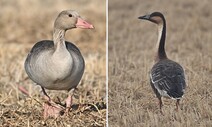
<point x="62" y="72"/>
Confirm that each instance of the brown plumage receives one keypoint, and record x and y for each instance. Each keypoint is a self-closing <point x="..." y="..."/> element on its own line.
<point x="166" y="77"/>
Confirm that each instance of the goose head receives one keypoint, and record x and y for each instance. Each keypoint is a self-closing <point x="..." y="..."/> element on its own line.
<point x="155" y="17"/>
<point x="69" y="19"/>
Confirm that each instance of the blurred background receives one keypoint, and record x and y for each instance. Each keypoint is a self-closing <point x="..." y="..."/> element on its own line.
<point x="131" y="56"/>
<point x="25" y="22"/>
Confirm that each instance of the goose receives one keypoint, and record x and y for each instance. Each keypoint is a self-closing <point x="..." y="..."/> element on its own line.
<point x="57" y="64"/>
<point x="167" y="77"/>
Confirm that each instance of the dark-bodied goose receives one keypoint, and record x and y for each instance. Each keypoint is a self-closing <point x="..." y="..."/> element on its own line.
<point x="166" y="77"/>
<point x="58" y="64"/>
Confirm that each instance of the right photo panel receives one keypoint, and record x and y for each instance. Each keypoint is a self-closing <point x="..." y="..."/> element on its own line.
<point x="160" y="63"/>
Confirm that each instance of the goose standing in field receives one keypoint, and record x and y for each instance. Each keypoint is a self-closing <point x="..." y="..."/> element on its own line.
<point x="166" y="77"/>
<point x="57" y="64"/>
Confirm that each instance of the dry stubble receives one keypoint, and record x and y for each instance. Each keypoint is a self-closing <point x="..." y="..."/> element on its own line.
<point x="131" y="53"/>
<point x="23" y="23"/>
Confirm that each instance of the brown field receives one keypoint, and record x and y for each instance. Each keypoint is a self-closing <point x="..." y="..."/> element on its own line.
<point x="132" y="102"/>
<point x="25" y="22"/>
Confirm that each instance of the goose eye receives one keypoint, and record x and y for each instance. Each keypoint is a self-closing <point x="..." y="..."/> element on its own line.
<point x="70" y="15"/>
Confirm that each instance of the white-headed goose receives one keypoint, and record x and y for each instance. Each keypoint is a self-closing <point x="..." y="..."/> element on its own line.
<point x="166" y="76"/>
<point x="58" y="64"/>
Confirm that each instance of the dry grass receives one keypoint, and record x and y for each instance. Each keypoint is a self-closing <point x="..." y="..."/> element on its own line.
<point x="25" y="22"/>
<point x="131" y="53"/>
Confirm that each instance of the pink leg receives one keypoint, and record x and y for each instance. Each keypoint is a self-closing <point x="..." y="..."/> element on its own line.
<point x="69" y="100"/>
<point x="68" y="103"/>
<point x="23" y="90"/>
<point x="51" y="109"/>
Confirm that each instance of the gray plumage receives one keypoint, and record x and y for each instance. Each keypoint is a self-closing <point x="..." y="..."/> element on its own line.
<point x="48" y="46"/>
<point x="167" y="77"/>
<point x="57" y="64"/>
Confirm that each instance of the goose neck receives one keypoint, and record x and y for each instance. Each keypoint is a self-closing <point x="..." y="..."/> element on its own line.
<point x="59" y="38"/>
<point x="160" y="46"/>
<point x="60" y="50"/>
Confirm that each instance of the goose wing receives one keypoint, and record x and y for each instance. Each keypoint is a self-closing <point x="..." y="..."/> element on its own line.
<point x="168" y="78"/>
<point x="72" y="48"/>
<point x="35" y="51"/>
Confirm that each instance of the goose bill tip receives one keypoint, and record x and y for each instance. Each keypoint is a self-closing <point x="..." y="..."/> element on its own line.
<point x="145" y="17"/>
<point x="81" y="23"/>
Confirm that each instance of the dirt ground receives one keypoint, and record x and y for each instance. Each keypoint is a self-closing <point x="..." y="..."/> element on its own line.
<point x="25" y="22"/>
<point x="132" y="102"/>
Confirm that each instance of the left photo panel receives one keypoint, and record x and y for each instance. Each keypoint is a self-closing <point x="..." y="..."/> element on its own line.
<point x="53" y="63"/>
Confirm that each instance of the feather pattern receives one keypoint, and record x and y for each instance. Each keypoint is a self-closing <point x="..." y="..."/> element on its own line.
<point x="36" y="74"/>
<point x="168" y="79"/>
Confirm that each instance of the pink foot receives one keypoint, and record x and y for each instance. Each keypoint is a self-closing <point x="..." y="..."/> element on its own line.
<point x="51" y="109"/>
<point x="68" y="103"/>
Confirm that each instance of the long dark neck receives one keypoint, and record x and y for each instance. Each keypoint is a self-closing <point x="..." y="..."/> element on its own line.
<point x="161" y="53"/>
